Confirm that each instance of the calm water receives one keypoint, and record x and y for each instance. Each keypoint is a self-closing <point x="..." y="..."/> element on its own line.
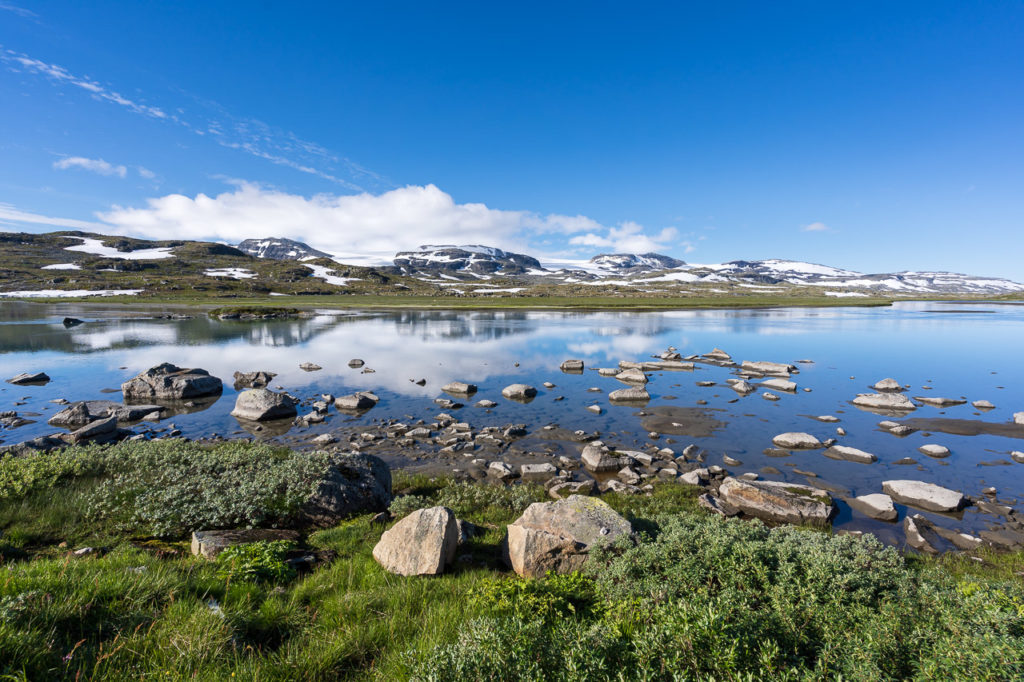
<point x="970" y="351"/>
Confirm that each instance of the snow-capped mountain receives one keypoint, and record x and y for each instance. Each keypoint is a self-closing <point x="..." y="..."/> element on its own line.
<point x="632" y="262"/>
<point x="473" y="260"/>
<point x="279" y="248"/>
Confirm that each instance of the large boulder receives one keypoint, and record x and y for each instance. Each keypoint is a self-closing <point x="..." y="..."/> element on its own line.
<point x="170" y="382"/>
<point x="558" y="536"/>
<point x="887" y="385"/>
<point x="363" y="400"/>
<point x="596" y="458"/>
<point x="877" y="506"/>
<point x="927" y="496"/>
<point x="459" y="388"/>
<point x="423" y="543"/>
<point x="632" y="376"/>
<point x="572" y="366"/>
<point x="353" y="484"/>
<point x="779" y="502"/>
<point x="210" y="543"/>
<point x="260" y="404"/>
<point x="101" y="430"/>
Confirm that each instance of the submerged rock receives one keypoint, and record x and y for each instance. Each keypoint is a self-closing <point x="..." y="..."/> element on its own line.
<point x="558" y="536"/>
<point x="939" y="402"/>
<point x="850" y="454"/>
<point x="779" y="502"/>
<point x="423" y="543"/>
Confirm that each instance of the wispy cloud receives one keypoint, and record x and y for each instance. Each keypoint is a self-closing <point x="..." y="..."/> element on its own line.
<point x="9" y="214"/>
<point x="145" y="173"/>
<point x="212" y="121"/>
<point x="631" y="237"/>
<point x="98" y="166"/>
<point x="20" y="11"/>
<point x="816" y="227"/>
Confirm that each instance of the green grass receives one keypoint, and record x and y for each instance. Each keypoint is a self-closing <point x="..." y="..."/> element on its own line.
<point x="695" y="597"/>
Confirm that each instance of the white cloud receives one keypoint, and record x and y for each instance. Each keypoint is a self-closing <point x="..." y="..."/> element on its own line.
<point x="367" y="224"/>
<point x="98" y="166"/>
<point x="20" y="11"/>
<point x="816" y="227"/>
<point x="9" y="214"/>
<point x="629" y="237"/>
<point x="145" y="173"/>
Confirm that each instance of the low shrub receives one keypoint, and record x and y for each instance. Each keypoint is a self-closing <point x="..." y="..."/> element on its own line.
<point x="262" y="561"/>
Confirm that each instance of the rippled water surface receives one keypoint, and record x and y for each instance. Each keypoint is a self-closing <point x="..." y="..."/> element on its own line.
<point x="940" y="349"/>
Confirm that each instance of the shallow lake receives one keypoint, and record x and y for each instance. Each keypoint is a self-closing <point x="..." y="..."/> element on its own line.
<point x="953" y="350"/>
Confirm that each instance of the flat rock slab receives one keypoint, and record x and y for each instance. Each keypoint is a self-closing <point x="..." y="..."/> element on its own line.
<point x="762" y="367"/>
<point x="927" y="496"/>
<point x="557" y="536"/>
<point x="779" y="502"/>
<point x="597" y="459"/>
<point x="696" y="422"/>
<point x="210" y="543"/>
<point x="877" y="506"/>
<point x="362" y="400"/>
<point x="423" y="543"/>
<point x="796" y="440"/>
<point x="574" y="366"/>
<point x="631" y="376"/>
<point x="459" y="388"/>
<point x="849" y="454"/>
<point x="630" y="395"/>
<point x="939" y="402"/>
<point x="885" y="402"/>
<point x="780" y="384"/>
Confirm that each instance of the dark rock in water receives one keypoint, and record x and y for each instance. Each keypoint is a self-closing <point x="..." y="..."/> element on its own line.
<point x="36" y="445"/>
<point x="72" y="322"/>
<point x="29" y="378"/>
<point x="353" y="484"/>
<point x="169" y="382"/>
<point x="310" y="367"/>
<point x="81" y="413"/>
<point x="210" y="543"/>
<point x="260" y="404"/>
<point x="258" y="379"/>
<point x="459" y="388"/>
<point x="100" y="430"/>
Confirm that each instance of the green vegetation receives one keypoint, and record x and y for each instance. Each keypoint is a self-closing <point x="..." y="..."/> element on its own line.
<point x="695" y="597"/>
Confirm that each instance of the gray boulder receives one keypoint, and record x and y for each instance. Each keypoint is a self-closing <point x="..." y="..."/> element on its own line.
<point x="353" y="484"/>
<point x="780" y="384"/>
<point x="596" y="458"/>
<point x="777" y="368"/>
<point x="519" y="392"/>
<point x="260" y="404"/>
<point x="78" y="414"/>
<point x="257" y="379"/>
<point x="927" y="496"/>
<point x="921" y="534"/>
<point x="934" y="450"/>
<point x="631" y="376"/>
<point x="630" y="395"/>
<point x="169" y="382"/>
<point x="537" y="472"/>
<point x="742" y="387"/>
<point x="779" y="502"/>
<point x="558" y="536"/>
<point x="459" y="388"/>
<point x="362" y="400"/>
<point x="100" y="430"/>
<point x="887" y="385"/>
<point x="572" y="366"/>
<point x="1018" y="417"/>
<point x="423" y="543"/>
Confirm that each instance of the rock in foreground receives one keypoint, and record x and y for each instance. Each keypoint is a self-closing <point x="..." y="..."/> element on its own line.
<point x="557" y="536"/>
<point x="423" y="543"/>
<point x="779" y="502"/>
<point x="169" y="382"/>
<point x="353" y="484"/>
<point x="260" y="404"/>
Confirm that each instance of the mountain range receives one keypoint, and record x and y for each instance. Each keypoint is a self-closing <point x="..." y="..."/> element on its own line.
<point x="61" y="262"/>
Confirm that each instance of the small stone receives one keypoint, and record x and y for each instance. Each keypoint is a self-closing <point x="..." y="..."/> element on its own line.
<point x="933" y="450"/>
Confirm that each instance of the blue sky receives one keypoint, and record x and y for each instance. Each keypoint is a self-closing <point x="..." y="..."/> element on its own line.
<point x="872" y="136"/>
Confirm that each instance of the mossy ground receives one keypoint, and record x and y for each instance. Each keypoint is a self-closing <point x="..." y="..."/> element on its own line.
<point x="696" y="598"/>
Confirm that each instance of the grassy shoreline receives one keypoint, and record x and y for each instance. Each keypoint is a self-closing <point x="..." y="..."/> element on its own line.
<point x="694" y="597"/>
<point x="348" y="302"/>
